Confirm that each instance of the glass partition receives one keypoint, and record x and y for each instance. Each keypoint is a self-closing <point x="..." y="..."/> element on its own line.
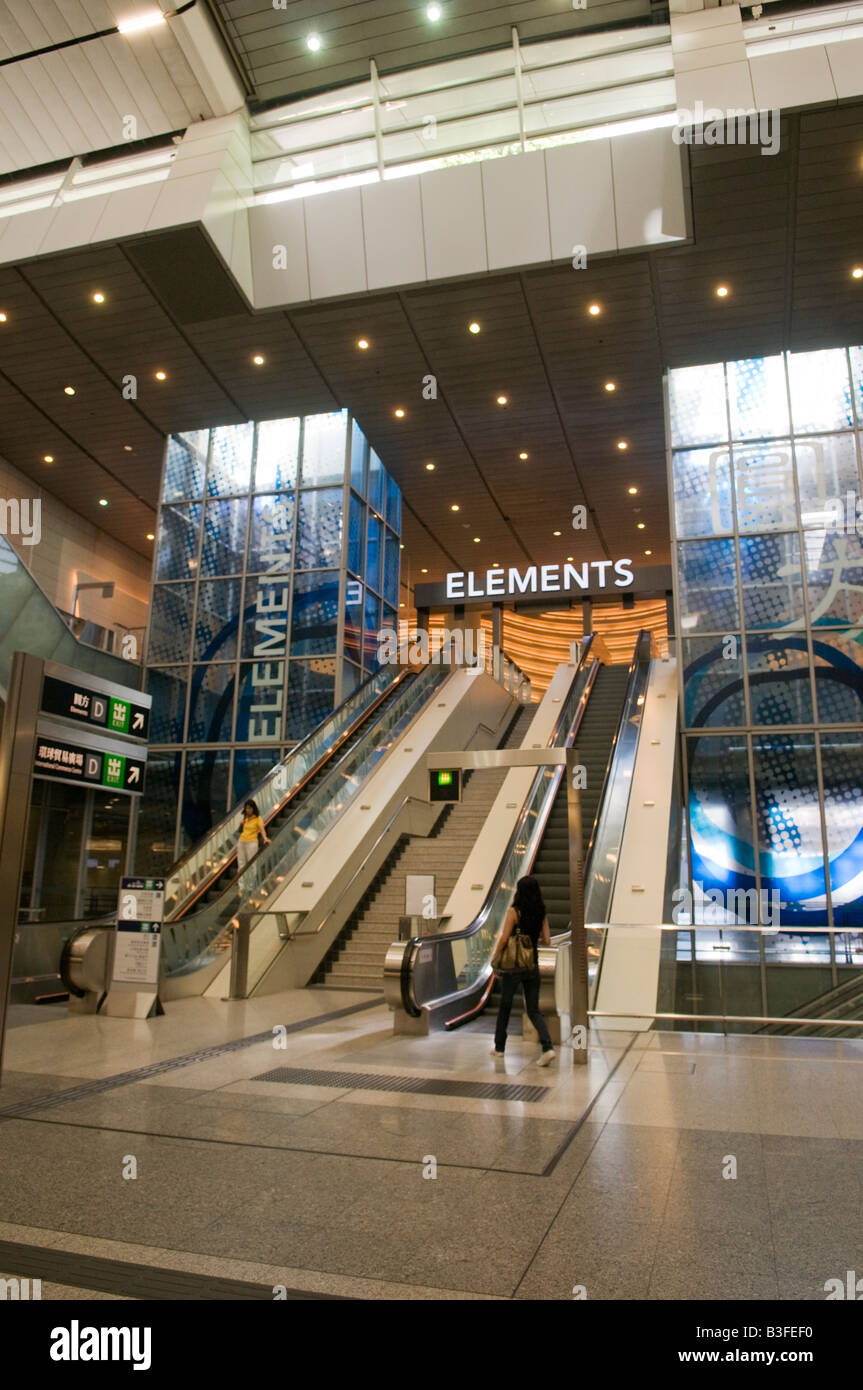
<point x="186" y="943"/>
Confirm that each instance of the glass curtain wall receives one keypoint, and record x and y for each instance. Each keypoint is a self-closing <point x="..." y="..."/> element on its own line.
<point x="765" y="470"/>
<point x="277" y="562"/>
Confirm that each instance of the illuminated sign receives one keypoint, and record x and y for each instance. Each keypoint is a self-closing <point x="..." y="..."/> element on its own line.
<point x="444" y="784"/>
<point x="540" y="580"/>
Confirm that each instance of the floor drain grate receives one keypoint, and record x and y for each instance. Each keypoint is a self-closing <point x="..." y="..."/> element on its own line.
<point x="416" y="1085"/>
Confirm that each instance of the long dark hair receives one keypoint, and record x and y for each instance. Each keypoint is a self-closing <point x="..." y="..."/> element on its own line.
<point x="529" y="905"/>
<point x="254" y="806"/>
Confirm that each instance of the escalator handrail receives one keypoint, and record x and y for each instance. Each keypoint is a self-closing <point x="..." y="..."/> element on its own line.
<point x="328" y="755"/>
<point x="222" y="825"/>
<point x="408" y="1003"/>
<point x="640" y="658"/>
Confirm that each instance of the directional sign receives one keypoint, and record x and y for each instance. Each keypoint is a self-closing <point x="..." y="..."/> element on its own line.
<point x="87" y="766"/>
<point x="80" y="701"/>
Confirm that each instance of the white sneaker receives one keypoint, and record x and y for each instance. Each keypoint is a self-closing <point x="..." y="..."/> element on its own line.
<point x="495" y="1053"/>
<point x="546" y="1058"/>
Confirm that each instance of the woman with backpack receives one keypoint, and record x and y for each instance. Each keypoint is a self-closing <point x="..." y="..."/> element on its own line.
<point x="514" y="960"/>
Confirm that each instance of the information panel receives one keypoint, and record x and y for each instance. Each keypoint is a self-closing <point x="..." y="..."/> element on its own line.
<point x="140" y="911"/>
<point x="86" y="765"/>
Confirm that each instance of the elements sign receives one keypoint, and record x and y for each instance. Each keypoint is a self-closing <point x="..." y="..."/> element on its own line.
<point x="108" y="712"/>
<point x="70" y="762"/>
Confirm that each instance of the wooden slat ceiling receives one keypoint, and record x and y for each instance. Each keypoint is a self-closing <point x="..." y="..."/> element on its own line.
<point x="76" y="100"/>
<point x="783" y="232"/>
<point x="271" y="41"/>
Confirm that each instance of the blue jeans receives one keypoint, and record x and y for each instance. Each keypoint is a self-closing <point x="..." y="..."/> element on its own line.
<point x="508" y="989"/>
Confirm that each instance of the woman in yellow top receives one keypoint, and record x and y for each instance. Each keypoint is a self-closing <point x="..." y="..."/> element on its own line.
<point x="251" y="828"/>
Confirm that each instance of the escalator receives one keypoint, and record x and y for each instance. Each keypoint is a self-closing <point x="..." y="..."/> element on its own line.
<point x="298" y="799"/>
<point x="600" y="718"/>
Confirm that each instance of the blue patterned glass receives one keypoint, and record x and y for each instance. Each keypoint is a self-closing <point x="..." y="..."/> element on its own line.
<point x="324" y="443"/>
<point x="356" y="536"/>
<point x="211" y="704"/>
<point x="224" y="545"/>
<point x="259" y="702"/>
<point x="157" y="815"/>
<point x="391" y="568"/>
<point x="713" y="681"/>
<point x="250" y="768"/>
<point x="707" y="582"/>
<point x="834" y="566"/>
<point x="230" y="460"/>
<point x="839" y="675"/>
<point x="389" y="618"/>
<point x="696" y="404"/>
<point x="371" y="627"/>
<point x="376" y="483"/>
<point x="788" y="819"/>
<point x="820" y="391"/>
<point x="353" y="640"/>
<point x="374" y="557"/>
<point x="351" y="676"/>
<point x="168" y="689"/>
<point x="199" y="440"/>
<point x="842" y="773"/>
<point x="758" y="398"/>
<point x="171" y="623"/>
<point x="394" y="504"/>
<point x="177" y="540"/>
<point x="184" y="471"/>
<point x="319" y="531"/>
<point x="779" y="689"/>
<point x="314" y="617"/>
<point x="856" y="355"/>
<point x="764" y="483"/>
<point x="702" y="492"/>
<point x="772" y="582"/>
<point x="272" y="537"/>
<point x="359" y="459"/>
<point x="276" y="454"/>
<point x="311" y="692"/>
<point x="205" y="793"/>
<point x="720" y="816"/>
<point x="217" y="620"/>
<point x="265" y="616"/>
<point x="827" y="481"/>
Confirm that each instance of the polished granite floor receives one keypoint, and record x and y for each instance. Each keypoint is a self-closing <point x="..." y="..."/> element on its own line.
<point x="674" y="1165"/>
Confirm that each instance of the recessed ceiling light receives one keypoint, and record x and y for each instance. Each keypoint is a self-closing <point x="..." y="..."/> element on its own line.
<point x="401" y="547"/>
<point x="522" y="455"/>
<point x="423" y="571"/>
<point x="161" y="376"/>
<point x="103" y="501"/>
<point x="401" y="605"/>
<point x="98" y="297"/>
<point x="430" y="468"/>
<point x="473" y="328"/>
<point x="69" y="390"/>
<point x="622" y="444"/>
<point x="648" y="552"/>
<point x="455" y="507"/>
<point x="433" y="12"/>
<point x="641" y="525"/>
<point x="3" y="317"/>
<point x="610" y="386"/>
<point x="476" y="540"/>
<point x="362" y="343"/>
<point x="128" y="448"/>
<point x="313" y="43"/>
<point x="632" y="491"/>
<point x="570" y="558"/>
<point x="594" y="309"/>
<point x="556" y="533"/>
<point x="49" y="458"/>
<point x="150" y="536"/>
<point x="721" y="291"/>
<point x="399" y="414"/>
<point x="856" y="274"/>
<point x="503" y="400"/>
<point x="258" y="360"/>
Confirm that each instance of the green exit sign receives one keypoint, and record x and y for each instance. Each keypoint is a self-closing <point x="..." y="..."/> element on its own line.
<point x="444" y="779"/>
<point x="119" y="713"/>
<point x="444" y="784"/>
